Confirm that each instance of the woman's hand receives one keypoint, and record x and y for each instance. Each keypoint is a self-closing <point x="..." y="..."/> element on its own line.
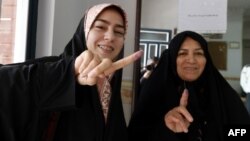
<point x="89" y="67"/>
<point x="179" y="119"/>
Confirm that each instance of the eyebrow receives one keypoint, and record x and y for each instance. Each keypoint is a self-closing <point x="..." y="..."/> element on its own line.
<point x="185" y="49"/>
<point x="107" y="22"/>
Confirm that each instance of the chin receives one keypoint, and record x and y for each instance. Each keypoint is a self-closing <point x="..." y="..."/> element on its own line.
<point x="190" y="79"/>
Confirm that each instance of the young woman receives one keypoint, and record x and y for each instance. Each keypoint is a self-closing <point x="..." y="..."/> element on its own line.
<point x="98" y="113"/>
<point x="186" y="98"/>
<point x="63" y="98"/>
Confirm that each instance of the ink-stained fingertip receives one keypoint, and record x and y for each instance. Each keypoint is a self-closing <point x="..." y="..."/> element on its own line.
<point x="138" y="54"/>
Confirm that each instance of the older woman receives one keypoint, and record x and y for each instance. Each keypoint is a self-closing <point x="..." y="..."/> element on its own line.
<point x="186" y="98"/>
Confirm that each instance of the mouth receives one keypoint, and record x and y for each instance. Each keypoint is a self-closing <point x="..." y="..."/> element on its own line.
<point x="190" y="68"/>
<point x="106" y="48"/>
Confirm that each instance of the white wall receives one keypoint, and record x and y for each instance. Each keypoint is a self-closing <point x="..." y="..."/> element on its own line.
<point x="45" y="26"/>
<point x="234" y="33"/>
<point x="68" y="14"/>
<point x="234" y="56"/>
<point x="162" y="14"/>
<point x="246" y="43"/>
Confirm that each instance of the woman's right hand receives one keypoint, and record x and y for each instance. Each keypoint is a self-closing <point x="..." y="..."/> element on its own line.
<point x="89" y="67"/>
<point x="179" y="119"/>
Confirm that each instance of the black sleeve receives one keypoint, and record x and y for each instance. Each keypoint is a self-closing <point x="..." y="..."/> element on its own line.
<point x="27" y="88"/>
<point x="145" y="129"/>
<point x="45" y="84"/>
<point x="55" y="85"/>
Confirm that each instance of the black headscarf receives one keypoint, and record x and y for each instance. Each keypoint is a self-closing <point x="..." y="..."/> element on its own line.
<point x="212" y="102"/>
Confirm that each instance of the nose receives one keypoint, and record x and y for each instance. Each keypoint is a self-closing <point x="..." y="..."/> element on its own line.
<point x="109" y="35"/>
<point x="191" y="58"/>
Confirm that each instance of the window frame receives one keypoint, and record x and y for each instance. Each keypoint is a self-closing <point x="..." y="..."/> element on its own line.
<point x="22" y="12"/>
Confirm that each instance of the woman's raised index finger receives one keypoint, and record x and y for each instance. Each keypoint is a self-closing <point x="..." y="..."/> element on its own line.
<point x="124" y="62"/>
<point x="184" y="98"/>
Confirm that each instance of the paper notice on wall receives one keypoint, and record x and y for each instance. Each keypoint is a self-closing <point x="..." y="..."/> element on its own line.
<point x="203" y="16"/>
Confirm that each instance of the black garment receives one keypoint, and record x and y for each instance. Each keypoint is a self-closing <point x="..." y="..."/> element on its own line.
<point x="28" y="88"/>
<point x="31" y="91"/>
<point x="212" y="102"/>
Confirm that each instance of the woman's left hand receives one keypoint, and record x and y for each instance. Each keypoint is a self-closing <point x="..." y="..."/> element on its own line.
<point x="179" y="119"/>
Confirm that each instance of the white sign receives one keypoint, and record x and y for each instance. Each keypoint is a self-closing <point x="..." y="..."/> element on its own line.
<point x="203" y="16"/>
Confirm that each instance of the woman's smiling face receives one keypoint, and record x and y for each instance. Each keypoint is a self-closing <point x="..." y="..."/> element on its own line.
<point x="191" y="60"/>
<point x="106" y="36"/>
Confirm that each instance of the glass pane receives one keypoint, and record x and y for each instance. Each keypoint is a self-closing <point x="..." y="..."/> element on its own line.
<point x="143" y="47"/>
<point x="13" y="30"/>
<point x="154" y="35"/>
<point x="7" y="30"/>
<point x="162" y="48"/>
<point x="152" y="50"/>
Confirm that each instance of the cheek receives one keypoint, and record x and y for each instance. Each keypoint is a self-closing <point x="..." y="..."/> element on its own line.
<point x="202" y="64"/>
<point x="119" y="45"/>
<point x="90" y="41"/>
<point x="93" y="37"/>
<point x="120" y="42"/>
<point x="178" y="67"/>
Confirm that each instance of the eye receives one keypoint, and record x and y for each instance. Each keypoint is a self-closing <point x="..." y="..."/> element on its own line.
<point x="182" y="53"/>
<point x="200" y="53"/>
<point x="100" y="27"/>
<point x="119" y="31"/>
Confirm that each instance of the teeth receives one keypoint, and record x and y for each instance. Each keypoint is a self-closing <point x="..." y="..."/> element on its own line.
<point x="105" y="47"/>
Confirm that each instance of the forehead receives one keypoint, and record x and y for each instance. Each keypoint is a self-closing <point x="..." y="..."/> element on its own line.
<point x="110" y="15"/>
<point x="190" y="43"/>
<point x="92" y="13"/>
